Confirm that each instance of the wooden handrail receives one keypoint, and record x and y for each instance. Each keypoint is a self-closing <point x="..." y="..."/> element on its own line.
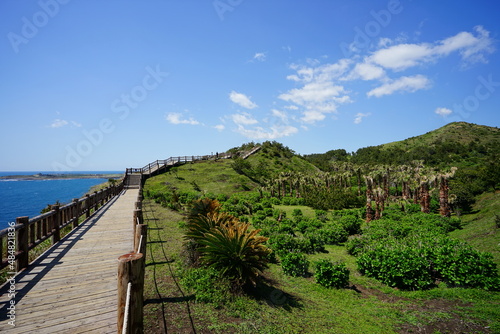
<point x="152" y="167"/>
<point x="131" y="269"/>
<point x="32" y="232"/>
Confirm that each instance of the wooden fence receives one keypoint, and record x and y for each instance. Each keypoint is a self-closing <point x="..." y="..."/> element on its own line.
<point x="158" y="165"/>
<point x="131" y="269"/>
<point x="17" y="240"/>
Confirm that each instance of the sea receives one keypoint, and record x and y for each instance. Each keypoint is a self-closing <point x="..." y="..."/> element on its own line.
<point x="27" y="198"/>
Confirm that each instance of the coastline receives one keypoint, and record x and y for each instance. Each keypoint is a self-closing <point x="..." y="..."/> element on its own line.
<point x="42" y="176"/>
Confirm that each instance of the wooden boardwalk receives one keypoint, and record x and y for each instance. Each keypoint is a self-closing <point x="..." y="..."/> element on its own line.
<point x="72" y="288"/>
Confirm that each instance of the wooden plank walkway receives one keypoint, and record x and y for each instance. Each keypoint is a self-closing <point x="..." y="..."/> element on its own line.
<point x="72" y="288"/>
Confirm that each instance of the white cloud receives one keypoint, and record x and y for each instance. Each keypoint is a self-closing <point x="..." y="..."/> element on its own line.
<point x="243" y="119"/>
<point x="472" y="48"/>
<point x="260" y="56"/>
<point x="402" y="56"/>
<point x="359" y="117"/>
<point x="78" y="125"/>
<point x="274" y="132"/>
<point x="366" y="71"/>
<point x="384" y="42"/>
<point x="313" y="116"/>
<point x="57" y="123"/>
<point x="219" y="127"/>
<point x="176" y="118"/>
<point x="443" y="112"/>
<point x="242" y="100"/>
<point x="314" y="92"/>
<point x="406" y="84"/>
<point x="283" y="116"/>
<point x="319" y="93"/>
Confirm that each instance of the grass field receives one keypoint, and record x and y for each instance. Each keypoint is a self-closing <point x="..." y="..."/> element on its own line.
<point x="285" y="304"/>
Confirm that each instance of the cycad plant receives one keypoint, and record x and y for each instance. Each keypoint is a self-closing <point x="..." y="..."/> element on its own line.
<point x="235" y="252"/>
<point x="198" y="226"/>
<point x="224" y="243"/>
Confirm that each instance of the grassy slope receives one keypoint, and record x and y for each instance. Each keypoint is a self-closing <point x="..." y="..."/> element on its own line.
<point x="299" y="305"/>
<point x="479" y="228"/>
<point x="216" y="177"/>
<point x="460" y="132"/>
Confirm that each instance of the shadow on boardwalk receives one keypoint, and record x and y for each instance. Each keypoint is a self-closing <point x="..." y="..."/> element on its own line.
<point x="48" y="260"/>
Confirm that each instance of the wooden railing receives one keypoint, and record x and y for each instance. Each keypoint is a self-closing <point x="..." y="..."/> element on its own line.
<point x="174" y="161"/>
<point x="17" y="240"/>
<point x="131" y="269"/>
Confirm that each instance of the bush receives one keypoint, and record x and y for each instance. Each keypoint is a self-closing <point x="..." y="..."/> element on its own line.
<point x="295" y="264"/>
<point x="309" y="224"/>
<point x="207" y="285"/>
<point x="351" y="224"/>
<point x="356" y="244"/>
<point x="397" y="266"/>
<point x="461" y="265"/>
<point x="285" y="243"/>
<point x="297" y="215"/>
<point x="419" y="260"/>
<point x="333" y="234"/>
<point x="321" y="215"/>
<point x="331" y="275"/>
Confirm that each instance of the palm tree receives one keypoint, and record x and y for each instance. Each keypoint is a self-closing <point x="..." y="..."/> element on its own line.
<point x="369" y="198"/>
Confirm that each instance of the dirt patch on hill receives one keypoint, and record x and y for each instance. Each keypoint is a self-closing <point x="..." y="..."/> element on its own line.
<point x="428" y="316"/>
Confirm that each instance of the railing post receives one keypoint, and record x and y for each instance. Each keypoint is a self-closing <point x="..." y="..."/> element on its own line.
<point x="56" y="229"/>
<point x="87" y="206"/>
<point x="141" y="230"/>
<point x="131" y="269"/>
<point x="76" y="212"/>
<point x="22" y="243"/>
<point x="137" y="217"/>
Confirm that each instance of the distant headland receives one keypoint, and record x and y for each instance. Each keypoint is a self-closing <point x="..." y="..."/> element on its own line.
<point x="61" y="176"/>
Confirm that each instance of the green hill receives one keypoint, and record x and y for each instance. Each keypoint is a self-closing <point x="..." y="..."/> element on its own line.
<point x="283" y="303"/>
<point x="458" y="143"/>
<point x="225" y="177"/>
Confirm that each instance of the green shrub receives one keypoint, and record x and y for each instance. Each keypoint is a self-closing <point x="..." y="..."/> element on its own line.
<point x="458" y="264"/>
<point x="297" y="215"/>
<point x="356" y="244"/>
<point x="285" y="243"/>
<point x="417" y="261"/>
<point x="331" y="275"/>
<point x="351" y="224"/>
<point x="295" y="264"/>
<point x="397" y="266"/>
<point x="310" y="224"/>
<point x="333" y="234"/>
<point x="321" y="215"/>
<point x="207" y="285"/>
<point x="279" y="214"/>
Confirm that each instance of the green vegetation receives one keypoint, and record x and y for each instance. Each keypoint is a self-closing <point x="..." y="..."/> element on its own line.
<point x="394" y="247"/>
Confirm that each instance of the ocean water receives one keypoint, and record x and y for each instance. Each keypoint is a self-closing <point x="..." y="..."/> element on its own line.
<point x="27" y="198"/>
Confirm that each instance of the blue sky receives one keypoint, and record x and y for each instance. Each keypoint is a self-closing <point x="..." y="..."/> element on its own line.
<point x="105" y="85"/>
